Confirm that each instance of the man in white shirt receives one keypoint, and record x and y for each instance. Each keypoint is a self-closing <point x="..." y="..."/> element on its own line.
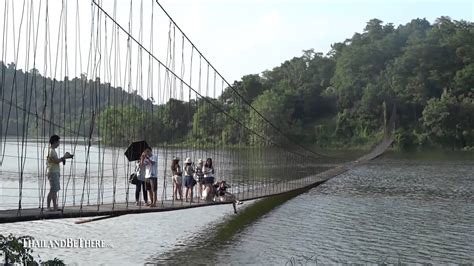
<point x="150" y="162"/>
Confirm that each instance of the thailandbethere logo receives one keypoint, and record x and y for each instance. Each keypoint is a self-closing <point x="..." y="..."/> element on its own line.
<point x="65" y="243"/>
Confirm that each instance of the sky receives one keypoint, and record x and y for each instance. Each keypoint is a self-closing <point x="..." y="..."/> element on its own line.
<point x="238" y="37"/>
<point x="250" y="36"/>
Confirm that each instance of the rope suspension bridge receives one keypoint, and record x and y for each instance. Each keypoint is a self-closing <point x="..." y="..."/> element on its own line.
<point x="135" y="76"/>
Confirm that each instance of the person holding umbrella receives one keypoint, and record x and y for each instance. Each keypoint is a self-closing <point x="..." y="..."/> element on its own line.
<point x="150" y="162"/>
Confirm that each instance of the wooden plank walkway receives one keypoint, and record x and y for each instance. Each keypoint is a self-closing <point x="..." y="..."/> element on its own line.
<point x="122" y="208"/>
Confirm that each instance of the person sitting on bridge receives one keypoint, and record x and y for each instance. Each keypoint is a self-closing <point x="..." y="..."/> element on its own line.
<point x="177" y="179"/>
<point x="223" y="195"/>
<point x="53" y="171"/>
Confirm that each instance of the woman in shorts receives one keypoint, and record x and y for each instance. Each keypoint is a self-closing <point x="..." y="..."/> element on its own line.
<point x="177" y="179"/>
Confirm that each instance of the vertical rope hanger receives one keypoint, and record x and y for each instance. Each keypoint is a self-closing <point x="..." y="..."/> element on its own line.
<point x="71" y="104"/>
<point x="14" y="83"/>
<point x="33" y="88"/>
<point x="139" y="85"/>
<point x="100" y="132"/>
<point x="89" y="140"/>
<point x="95" y="96"/>
<point x="167" y="91"/>
<point x="101" y="149"/>
<point x="2" y="83"/>
<point x="112" y="101"/>
<point x="173" y="94"/>
<point x="117" y="78"/>
<point x="77" y="47"/>
<point x="82" y="87"/>
<point x="129" y="85"/>
<point x="34" y="85"/>
<point x="184" y="145"/>
<point x="195" y="143"/>
<point x="173" y="64"/>
<point x="166" y="95"/>
<point x="151" y="93"/>
<point x="45" y="100"/>
<point x="25" y="87"/>
<point x="63" y="91"/>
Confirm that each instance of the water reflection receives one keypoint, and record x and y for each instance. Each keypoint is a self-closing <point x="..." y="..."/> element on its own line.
<point x="205" y="247"/>
<point x="388" y="211"/>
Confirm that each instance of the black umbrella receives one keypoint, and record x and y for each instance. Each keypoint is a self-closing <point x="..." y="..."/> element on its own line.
<point x="135" y="150"/>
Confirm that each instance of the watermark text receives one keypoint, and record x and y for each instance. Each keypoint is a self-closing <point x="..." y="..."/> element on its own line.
<point x="65" y="243"/>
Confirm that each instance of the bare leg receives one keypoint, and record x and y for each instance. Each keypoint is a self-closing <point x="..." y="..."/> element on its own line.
<point x="150" y="193"/>
<point x="55" y="201"/>
<point x="232" y="197"/>
<point x="180" y="191"/>
<point x="199" y="189"/>
<point x="189" y="194"/>
<point x="205" y="193"/>
<point x="153" y="193"/>
<point x="48" y="204"/>
<point x="175" y="190"/>
<point x="155" y="190"/>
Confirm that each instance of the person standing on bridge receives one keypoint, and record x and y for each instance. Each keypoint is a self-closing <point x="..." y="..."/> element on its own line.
<point x="199" y="177"/>
<point x="208" y="171"/>
<point x="189" y="181"/>
<point x="177" y="179"/>
<point x="140" y="185"/>
<point x="53" y="171"/>
<point x="150" y="162"/>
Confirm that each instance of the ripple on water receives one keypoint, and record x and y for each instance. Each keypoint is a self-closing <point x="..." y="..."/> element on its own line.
<point x="386" y="211"/>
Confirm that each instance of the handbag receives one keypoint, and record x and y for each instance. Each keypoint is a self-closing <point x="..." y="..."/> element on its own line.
<point x="133" y="179"/>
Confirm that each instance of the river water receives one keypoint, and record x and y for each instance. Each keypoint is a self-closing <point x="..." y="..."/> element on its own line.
<point x="398" y="208"/>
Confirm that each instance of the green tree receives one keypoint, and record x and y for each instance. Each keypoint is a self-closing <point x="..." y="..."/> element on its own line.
<point x="122" y="125"/>
<point x="449" y="120"/>
<point x="208" y="121"/>
<point x="272" y="106"/>
<point x="234" y="132"/>
<point x="14" y="251"/>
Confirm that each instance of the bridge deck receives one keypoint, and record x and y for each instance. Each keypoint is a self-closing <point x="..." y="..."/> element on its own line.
<point x="122" y="208"/>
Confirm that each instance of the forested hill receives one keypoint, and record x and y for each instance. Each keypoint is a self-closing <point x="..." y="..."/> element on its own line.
<point x="340" y="99"/>
<point x="45" y="106"/>
<point x="427" y="70"/>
